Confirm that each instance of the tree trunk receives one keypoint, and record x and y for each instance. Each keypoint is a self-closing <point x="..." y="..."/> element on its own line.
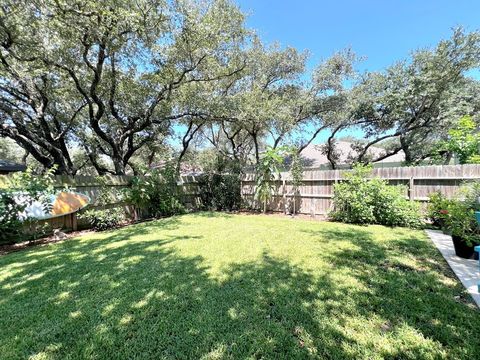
<point x="118" y="165"/>
<point x="406" y="149"/>
<point x="257" y="150"/>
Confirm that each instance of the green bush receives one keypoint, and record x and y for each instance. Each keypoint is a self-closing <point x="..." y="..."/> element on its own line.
<point x="10" y="223"/>
<point x="437" y="207"/>
<point x="457" y="216"/>
<point x="23" y="189"/>
<point x="103" y="219"/>
<point x="157" y="194"/>
<point x="267" y="168"/>
<point x="459" y="220"/>
<point x="220" y="191"/>
<point x="364" y="200"/>
<point x="470" y="194"/>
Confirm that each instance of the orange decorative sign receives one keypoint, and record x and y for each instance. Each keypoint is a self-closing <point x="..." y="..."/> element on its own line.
<point x="60" y="204"/>
<point x="68" y="202"/>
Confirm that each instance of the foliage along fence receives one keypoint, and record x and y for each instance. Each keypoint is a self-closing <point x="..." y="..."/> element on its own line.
<point x="314" y="197"/>
<point x="316" y="191"/>
<point x="92" y="187"/>
<point x="87" y="185"/>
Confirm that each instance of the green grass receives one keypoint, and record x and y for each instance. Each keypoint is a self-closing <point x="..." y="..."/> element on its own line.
<point x="236" y="286"/>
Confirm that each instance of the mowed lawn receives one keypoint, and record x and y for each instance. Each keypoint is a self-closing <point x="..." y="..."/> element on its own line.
<point x="211" y="285"/>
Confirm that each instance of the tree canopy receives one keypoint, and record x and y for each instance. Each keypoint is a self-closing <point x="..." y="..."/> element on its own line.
<point x="118" y="85"/>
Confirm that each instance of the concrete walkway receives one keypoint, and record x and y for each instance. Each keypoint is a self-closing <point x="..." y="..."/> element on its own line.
<point x="466" y="270"/>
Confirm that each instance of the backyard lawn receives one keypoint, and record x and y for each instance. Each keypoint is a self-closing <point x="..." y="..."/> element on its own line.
<point x="213" y="285"/>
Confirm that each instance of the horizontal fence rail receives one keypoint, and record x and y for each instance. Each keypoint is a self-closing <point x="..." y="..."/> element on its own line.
<point x="314" y="195"/>
<point x="316" y="191"/>
<point x="92" y="187"/>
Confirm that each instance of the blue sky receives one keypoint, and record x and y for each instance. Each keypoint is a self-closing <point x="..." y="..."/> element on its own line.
<point x="383" y="31"/>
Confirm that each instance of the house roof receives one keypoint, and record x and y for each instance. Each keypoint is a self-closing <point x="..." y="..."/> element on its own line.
<point x="9" y="166"/>
<point x="314" y="155"/>
<point x="185" y="168"/>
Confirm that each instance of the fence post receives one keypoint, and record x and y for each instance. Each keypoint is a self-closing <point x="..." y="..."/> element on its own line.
<point x="284" y="193"/>
<point x="411" y="186"/>
<point x="74" y="221"/>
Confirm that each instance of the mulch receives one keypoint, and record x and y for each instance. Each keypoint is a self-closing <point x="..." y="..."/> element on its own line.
<point x="9" y="248"/>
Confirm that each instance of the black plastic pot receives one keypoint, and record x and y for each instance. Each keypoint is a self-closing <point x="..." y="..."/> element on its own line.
<point x="462" y="249"/>
<point x="440" y="223"/>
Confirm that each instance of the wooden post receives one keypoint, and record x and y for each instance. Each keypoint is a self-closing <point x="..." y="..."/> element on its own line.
<point x="284" y="197"/>
<point x="74" y="221"/>
<point x="411" y="186"/>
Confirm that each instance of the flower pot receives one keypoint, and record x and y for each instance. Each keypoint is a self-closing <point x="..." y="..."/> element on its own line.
<point x="462" y="249"/>
<point x="476" y="255"/>
<point x="441" y="223"/>
<point x="477" y="216"/>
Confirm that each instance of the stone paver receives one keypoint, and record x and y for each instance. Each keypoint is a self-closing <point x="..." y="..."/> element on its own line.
<point x="466" y="270"/>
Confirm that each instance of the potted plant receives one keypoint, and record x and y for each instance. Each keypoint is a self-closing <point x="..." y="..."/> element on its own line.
<point x="460" y="222"/>
<point x="477" y="212"/>
<point x="438" y="209"/>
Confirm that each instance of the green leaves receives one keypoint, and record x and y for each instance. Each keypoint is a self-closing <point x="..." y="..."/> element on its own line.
<point x="33" y="183"/>
<point x="457" y="215"/>
<point x="24" y="188"/>
<point x="116" y="77"/>
<point x="266" y="170"/>
<point x="103" y="219"/>
<point x="464" y="141"/>
<point x="415" y="101"/>
<point x="156" y="193"/>
<point x="110" y="77"/>
<point x="364" y="200"/>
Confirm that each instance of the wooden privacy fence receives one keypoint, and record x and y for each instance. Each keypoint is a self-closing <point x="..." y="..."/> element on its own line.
<point x="316" y="191"/>
<point x="92" y="187"/>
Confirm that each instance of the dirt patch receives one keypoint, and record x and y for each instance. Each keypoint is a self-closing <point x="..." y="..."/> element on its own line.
<point x="9" y="248"/>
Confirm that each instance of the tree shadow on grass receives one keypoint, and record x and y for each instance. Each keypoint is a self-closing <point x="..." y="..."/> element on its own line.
<point x="147" y="302"/>
<point x="211" y="214"/>
<point x="35" y="263"/>
<point x="116" y="298"/>
<point x="409" y="284"/>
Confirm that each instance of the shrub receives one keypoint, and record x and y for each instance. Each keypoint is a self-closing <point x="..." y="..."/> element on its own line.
<point x="393" y="209"/>
<point x="156" y="193"/>
<point x="459" y="220"/>
<point x="266" y="170"/>
<point x="104" y="218"/>
<point x="437" y="208"/>
<point x="364" y="200"/>
<point x="10" y="223"/>
<point x="470" y="195"/>
<point x="24" y="188"/>
<point x="457" y="216"/>
<point x="220" y="191"/>
<point x="296" y="174"/>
